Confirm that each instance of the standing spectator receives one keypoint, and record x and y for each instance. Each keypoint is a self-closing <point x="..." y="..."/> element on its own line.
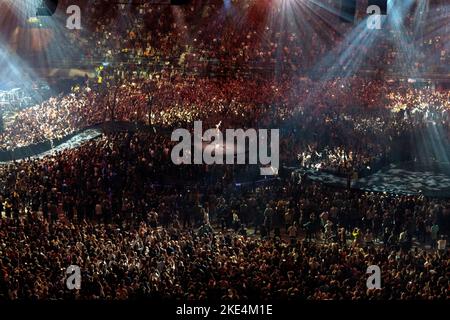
<point x="293" y="232"/>
<point x="98" y="212"/>
<point x="434" y="234"/>
<point x="442" y="244"/>
<point x="268" y="215"/>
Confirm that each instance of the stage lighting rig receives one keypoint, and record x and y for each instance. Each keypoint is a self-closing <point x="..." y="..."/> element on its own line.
<point x="47" y="8"/>
<point x="180" y="2"/>
<point x="348" y="9"/>
<point x="382" y="4"/>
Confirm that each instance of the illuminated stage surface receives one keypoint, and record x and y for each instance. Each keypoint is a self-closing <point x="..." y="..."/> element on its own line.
<point x="72" y="143"/>
<point x="409" y="178"/>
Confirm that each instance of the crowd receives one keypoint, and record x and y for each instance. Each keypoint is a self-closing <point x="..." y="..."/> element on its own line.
<point x="341" y="124"/>
<point x="121" y="263"/>
<point x="243" y="36"/>
<point x="140" y="226"/>
<point x="108" y="207"/>
<point x="53" y="119"/>
<point x="214" y="75"/>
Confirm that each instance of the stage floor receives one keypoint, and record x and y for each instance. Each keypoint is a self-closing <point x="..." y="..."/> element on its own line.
<point x="72" y="143"/>
<point x="403" y="178"/>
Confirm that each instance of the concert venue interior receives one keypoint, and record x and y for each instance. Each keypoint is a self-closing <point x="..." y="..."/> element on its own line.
<point x="119" y="179"/>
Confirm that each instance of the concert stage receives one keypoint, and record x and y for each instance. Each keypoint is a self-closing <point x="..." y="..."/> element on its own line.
<point x="408" y="178"/>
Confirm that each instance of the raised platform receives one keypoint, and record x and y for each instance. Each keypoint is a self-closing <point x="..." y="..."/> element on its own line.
<point x="72" y="140"/>
<point x="409" y="178"/>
